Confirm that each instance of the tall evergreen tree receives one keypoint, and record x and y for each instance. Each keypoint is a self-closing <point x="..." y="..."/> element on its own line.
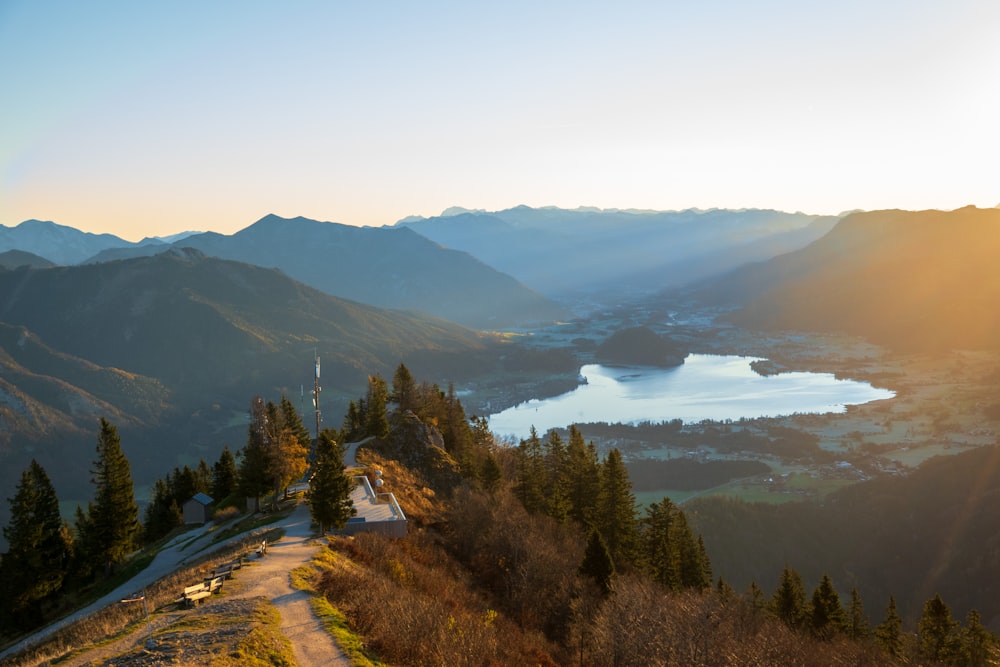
<point x="857" y="621"/>
<point x="615" y="515"/>
<point x="224" y="475"/>
<point x="557" y="502"/>
<point x="938" y="632"/>
<point x="377" y="423"/>
<point x="38" y="551"/>
<point x="597" y="563"/>
<point x="826" y="616"/>
<point x="531" y="477"/>
<point x="976" y="643"/>
<point x="114" y="518"/>
<point x="163" y="514"/>
<point x="254" y="471"/>
<point x="583" y="477"/>
<point x="490" y="473"/>
<point x="329" y="494"/>
<point x="789" y="600"/>
<point x="661" y="555"/>
<point x="290" y="419"/>
<point x="404" y="389"/>
<point x="889" y="633"/>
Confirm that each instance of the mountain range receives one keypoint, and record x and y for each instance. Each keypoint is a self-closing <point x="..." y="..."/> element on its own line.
<point x="386" y="267"/>
<point x="915" y="281"/>
<point x="562" y="252"/>
<point x="173" y="347"/>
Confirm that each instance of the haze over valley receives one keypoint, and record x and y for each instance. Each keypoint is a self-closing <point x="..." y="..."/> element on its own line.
<point x="666" y="333"/>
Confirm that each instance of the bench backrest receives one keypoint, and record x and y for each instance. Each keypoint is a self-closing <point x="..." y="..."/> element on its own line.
<point x="197" y="588"/>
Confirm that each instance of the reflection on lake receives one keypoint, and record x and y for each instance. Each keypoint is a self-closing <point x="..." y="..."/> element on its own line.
<point x="705" y="387"/>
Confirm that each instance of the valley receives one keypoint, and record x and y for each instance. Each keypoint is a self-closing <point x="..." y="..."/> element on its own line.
<point x="945" y="403"/>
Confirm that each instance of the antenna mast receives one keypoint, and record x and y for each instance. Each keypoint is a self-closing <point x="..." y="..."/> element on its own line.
<point x="316" y="390"/>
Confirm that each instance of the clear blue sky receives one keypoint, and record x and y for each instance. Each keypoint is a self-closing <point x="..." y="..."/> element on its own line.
<point x="150" y="118"/>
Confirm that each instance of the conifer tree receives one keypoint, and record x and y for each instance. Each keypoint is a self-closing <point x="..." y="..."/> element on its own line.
<point x="254" y="471"/>
<point x="291" y="420"/>
<point x="531" y="478"/>
<point x="938" y="631"/>
<point x="114" y="517"/>
<point x="377" y="423"/>
<point x="789" y="600"/>
<point x="857" y="622"/>
<point x="756" y="596"/>
<point x="597" y="563"/>
<point x="582" y="477"/>
<point x="615" y="515"/>
<point x="696" y="571"/>
<point x="163" y="514"/>
<point x="557" y="502"/>
<point x="329" y="494"/>
<point x="404" y="389"/>
<point x="353" y="426"/>
<point x="826" y="617"/>
<point x="660" y="553"/>
<point x="976" y="643"/>
<point x="490" y="473"/>
<point x="224" y="475"/>
<point x="38" y="548"/>
<point x="889" y="633"/>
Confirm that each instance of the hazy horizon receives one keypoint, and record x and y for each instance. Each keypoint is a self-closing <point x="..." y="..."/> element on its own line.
<point x="150" y="120"/>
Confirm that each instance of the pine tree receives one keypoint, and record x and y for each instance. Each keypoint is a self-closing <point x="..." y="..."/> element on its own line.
<point x="377" y="423"/>
<point x="254" y="471"/>
<point x="889" y="633"/>
<point x="163" y="513"/>
<point x="490" y="473"/>
<point x="404" y="389"/>
<point x="557" y="503"/>
<point x="39" y="547"/>
<point x="660" y="553"/>
<point x="583" y="479"/>
<point x="696" y="571"/>
<point x="826" y="617"/>
<point x="756" y="596"/>
<point x="597" y="563"/>
<point x="976" y="643"/>
<point x="329" y="494"/>
<point x="938" y="631"/>
<point x="531" y="478"/>
<point x="789" y="600"/>
<point x="857" y="622"/>
<point x="291" y="420"/>
<point x="615" y="515"/>
<point x="224" y="476"/>
<point x="114" y="518"/>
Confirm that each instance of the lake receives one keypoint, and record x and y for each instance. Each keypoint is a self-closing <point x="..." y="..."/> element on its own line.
<point x="706" y="386"/>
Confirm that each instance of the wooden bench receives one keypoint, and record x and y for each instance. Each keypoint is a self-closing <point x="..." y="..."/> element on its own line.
<point x="199" y="592"/>
<point x="193" y="594"/>
<point x="226" y="570"/>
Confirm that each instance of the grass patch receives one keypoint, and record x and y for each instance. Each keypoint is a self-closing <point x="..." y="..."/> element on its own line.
<point x="334" y="622"/>
<point x="349" y="642"/>
<point x="263" y="646"/>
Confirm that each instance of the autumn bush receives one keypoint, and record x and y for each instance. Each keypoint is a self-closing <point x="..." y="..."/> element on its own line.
<point x="415" y="606"/>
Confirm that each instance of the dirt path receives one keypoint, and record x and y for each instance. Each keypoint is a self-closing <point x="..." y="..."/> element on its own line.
<point x="267" y="577"/>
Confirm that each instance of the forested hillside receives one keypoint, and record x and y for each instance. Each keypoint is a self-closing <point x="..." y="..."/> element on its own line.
<point x="169" y="347"/>
<point x="936" y="530"/>
<point x="913" y="281"/>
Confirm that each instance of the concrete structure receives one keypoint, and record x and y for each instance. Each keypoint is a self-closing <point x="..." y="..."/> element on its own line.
<point x="198" y="509"/>
<point x="378" y="512"/>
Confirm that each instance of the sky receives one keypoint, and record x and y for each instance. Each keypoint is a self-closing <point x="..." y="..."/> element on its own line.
<point x="152" y="118"/>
